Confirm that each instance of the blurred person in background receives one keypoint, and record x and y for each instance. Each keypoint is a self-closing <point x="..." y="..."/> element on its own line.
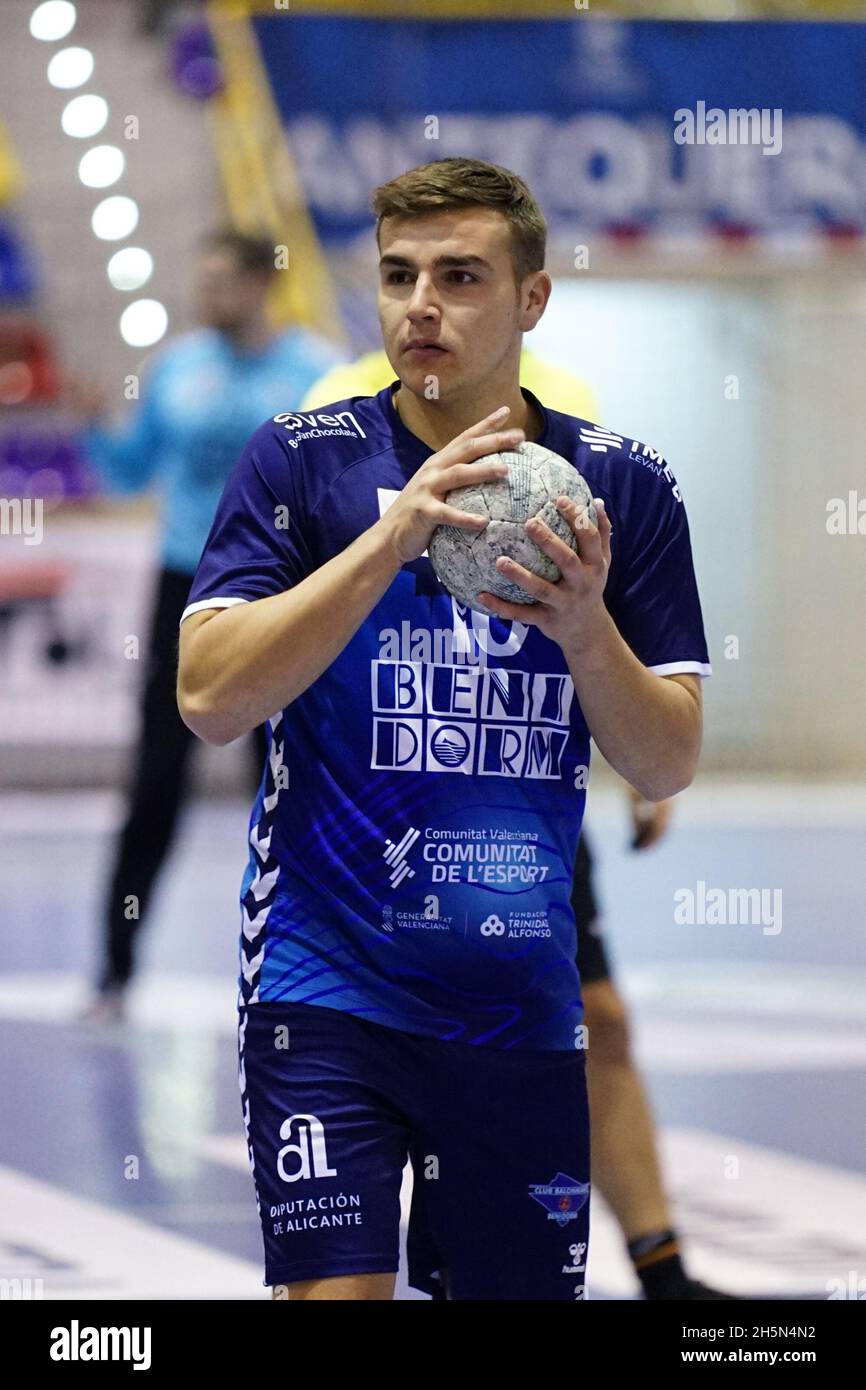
<point x="624" y="1155"/>
<point x="624" y="1151"/>
<point x="203" y="394"/>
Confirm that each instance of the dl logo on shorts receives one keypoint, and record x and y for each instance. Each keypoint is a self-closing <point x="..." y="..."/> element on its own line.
<point x="310" y="1151"/>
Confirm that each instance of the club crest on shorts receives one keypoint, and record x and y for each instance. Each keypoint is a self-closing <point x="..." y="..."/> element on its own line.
<point x="563" y="1197"/>
<point x="309" y="1152"/>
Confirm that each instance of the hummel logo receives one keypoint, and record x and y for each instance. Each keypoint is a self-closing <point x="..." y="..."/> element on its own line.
<point x="600" y="439"/>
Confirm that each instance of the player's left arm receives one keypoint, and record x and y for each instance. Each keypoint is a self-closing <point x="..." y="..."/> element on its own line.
<point x="648" y="725"/>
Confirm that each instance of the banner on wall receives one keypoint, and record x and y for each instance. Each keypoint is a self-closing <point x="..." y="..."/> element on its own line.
<point x="685" y="127"/>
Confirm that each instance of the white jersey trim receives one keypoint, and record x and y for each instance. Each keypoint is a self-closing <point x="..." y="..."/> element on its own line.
<point x="683" y="668"/>
<point x="211" y="603"/>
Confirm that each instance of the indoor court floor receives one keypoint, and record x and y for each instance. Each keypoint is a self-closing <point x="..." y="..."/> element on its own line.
<point x="123" y="1167"/>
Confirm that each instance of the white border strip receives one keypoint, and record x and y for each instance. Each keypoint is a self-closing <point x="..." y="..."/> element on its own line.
<point x="683" y="668"/>
<point x="211" y="603"/>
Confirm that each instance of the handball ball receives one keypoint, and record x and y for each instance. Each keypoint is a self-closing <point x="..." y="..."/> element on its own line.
<point x="465" y="561"/>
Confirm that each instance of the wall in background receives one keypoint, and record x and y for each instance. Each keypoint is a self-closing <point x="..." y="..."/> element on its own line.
<point x="754" y="392"/>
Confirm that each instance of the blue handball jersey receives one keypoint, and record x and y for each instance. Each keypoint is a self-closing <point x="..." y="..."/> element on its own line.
<point x="412" y="843"/>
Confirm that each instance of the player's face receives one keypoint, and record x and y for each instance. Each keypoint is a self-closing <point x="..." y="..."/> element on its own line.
<point x="227" y="296"/>
<point x="450" y="309"/>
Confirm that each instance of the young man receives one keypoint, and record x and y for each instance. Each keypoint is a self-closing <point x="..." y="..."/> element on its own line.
<point x="624" y="1158"/>
<point x="408" y="983"/>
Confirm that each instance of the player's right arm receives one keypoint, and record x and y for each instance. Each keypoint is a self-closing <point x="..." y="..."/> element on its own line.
<point x="127" y="457"/>
<point x="239" y="665"/>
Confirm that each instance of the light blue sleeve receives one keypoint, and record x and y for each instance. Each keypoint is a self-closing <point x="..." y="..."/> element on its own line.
<point x="128" y="459"/>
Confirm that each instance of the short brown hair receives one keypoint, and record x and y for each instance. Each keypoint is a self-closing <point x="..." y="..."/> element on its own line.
<point x="253" y="253"/>
<point x="444" y="184"/>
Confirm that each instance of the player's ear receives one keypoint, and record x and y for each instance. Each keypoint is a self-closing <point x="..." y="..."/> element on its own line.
<point x="534" y="294"/>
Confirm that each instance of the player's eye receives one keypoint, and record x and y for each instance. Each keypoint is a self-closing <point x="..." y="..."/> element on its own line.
<point x="396" y="277"/>
<point x="463" y="277"/>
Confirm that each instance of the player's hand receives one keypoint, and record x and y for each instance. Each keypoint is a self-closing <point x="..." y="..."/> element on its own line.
<point x="649" y="819"/>
<point x="414" y="515"/>
<point x="571" y="611"/>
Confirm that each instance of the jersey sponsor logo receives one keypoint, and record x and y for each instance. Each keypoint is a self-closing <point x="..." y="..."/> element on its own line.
<point x="438" y="706"/>
<point x="319" y="426"/>
<point x="652" y="459"/>
<point x="520" y="924"/>
<point x="532" y="923"/>
<point x="310" y="1151"/>
<point x="493" y="926"/>
<point x="407" y="919"/>
<point x="563" y="1197"/>
<point x="317" y="1213"/>
<point x="432" y="717"/>
<point x="489" y="856"/>
<point x="490" y="861"/>
<point x="395" y="853"/>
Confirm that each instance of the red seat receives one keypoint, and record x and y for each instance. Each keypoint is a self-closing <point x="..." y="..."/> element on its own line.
<point x="28" y="370"/>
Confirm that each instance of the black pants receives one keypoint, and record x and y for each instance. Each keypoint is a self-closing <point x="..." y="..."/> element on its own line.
<point x="159" y="784"/>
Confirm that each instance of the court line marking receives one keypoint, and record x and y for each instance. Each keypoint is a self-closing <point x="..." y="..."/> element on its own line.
<point x="74" y="1244"/>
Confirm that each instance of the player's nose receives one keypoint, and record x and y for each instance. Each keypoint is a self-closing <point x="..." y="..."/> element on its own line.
<point x="422" y="301"/>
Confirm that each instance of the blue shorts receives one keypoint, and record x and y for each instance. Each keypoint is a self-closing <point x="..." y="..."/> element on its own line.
<point x="498" y="1140"/>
